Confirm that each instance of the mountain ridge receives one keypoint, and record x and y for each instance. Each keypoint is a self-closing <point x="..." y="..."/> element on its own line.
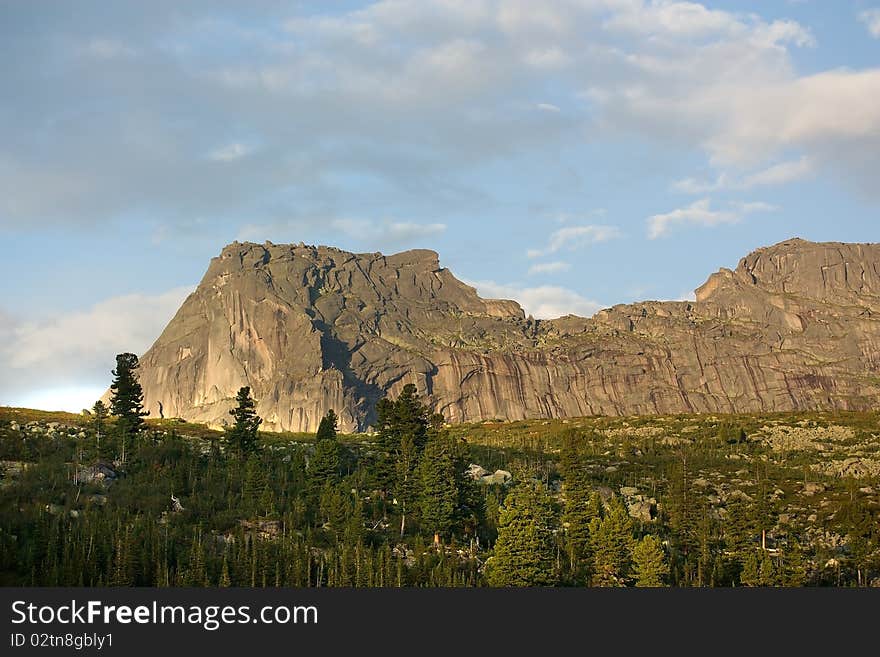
<point x="793" y="327"/>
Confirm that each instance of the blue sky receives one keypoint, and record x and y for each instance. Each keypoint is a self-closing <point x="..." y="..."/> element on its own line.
<point x="570" y="154"/>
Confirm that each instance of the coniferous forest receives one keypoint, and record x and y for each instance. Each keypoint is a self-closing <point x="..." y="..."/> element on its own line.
<point x="112" y="497"/>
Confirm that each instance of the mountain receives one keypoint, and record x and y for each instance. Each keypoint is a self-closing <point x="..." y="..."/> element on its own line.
<point x="795" y="326"/>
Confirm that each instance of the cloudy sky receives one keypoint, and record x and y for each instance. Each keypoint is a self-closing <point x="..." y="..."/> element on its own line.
<point x="570" y="154"/>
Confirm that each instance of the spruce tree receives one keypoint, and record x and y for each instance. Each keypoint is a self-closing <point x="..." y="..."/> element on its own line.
<point x="327" y="427"/>
<point x="649" y="563"/>
<point x="127" y="396"/>
<point x="99" y="418"/>
<point x="439" y="493"/>
<point x="324" y="464"/>
<point x="403" y="431"/>
<point x="794" y="565"/>
<point x="254" y="485"/>
<point x="524" y="550"/>
<point x="750" y="575"/>
<point x="767" y="573"/>
<point x="241" y="437"/>
<point x="581" y="506"/>
<point x="611" y="541"/>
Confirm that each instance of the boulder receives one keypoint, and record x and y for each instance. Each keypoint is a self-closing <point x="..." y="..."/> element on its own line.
<point x="476" y="472"/>
<point x="640" y="509"/>
<point x="265" y="529"/>
<point x="499" y="477"/>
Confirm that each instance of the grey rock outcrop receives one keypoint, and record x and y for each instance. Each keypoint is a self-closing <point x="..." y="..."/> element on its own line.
<point x="795" y="326"/>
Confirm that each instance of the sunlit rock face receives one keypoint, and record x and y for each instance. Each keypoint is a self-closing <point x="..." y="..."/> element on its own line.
<point x="794" y="327"/>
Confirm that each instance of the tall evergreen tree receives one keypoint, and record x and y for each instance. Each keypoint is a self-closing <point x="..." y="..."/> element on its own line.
<point x="750" y="575"/>
<point x="99" y="417"/>
<point x="524" y="549"/>
<point x="324" y="464"/>
<point x="403" y="431"/>
<point x="328" y="426"/>
<point x="99" y="421"/>
<point x="612" y="543"/>
<point x="766" y="573"/>
<point x="242" y="437"/>
<point x="649" y="563"/>
<point x="439" y="487"/>
<point x="582" y="505"/>
<point x="127" y="396"/>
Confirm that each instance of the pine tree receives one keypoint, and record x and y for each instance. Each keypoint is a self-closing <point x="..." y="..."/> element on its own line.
<point x="581" y="507"/>
<point x="127" y="396"/>
<point x="327" y="427"/>
<point x="649" y="563"/>
<point x="99" y="419"/>
<point x="767" y="574"/>
<point x="324" y="464"/>
<point x="750" y="575"/>
<point x="403" y="431"/>
<point x="524" y="550"/>
<point x="794" y="566"/>
<point x="439" y="493"/>
<point x="334" y="508"/>
<point x="242" y="437"/>
<point x="612" y="542"/>
<point x="254" y="485"/>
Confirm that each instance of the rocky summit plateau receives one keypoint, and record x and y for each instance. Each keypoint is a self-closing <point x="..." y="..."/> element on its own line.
<point x="795" y="326"/>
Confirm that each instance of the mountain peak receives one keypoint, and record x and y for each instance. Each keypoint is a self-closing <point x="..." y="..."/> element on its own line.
<point x="795" y="326"/>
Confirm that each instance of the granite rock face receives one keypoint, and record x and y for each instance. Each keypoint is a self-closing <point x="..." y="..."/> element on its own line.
<point x="796" y="326"/>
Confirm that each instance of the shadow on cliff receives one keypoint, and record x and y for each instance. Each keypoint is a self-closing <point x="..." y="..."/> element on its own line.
<point x="336" y="354"/>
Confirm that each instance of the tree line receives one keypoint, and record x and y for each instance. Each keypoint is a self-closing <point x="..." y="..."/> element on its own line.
<point x="399" y="510"/>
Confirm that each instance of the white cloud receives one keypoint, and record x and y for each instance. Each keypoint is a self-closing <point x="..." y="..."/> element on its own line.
<point x="125" y="323"/>
<point x="871" y="19"/>
<point x="400" y="232"/>
<point x="777" y="174"/>
<point x="700" y="213"/>
<point x="549" y="58"/>
<point x="549" y="268"/>
<point x="75" y="351"/>
<point x="748" y="207"/>
<point x="694" y="186"/>
<point x="230" y="152"/>
<point x="572" y="238"/>
<point x="543" y="302"/>
<point x="412" y="93"/>
<point x="780" y="174"/>
<point x="107" y="49"/>
<point x="547" y="107"/>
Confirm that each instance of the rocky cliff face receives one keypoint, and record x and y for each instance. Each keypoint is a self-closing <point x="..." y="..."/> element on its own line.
<point x="796" y="326"/>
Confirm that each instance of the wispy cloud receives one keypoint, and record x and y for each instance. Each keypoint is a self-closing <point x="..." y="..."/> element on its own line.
<point x="549" y="268"/>
<point x="542" y="302"/>
<point x="572" y="238"/>
<point x="871" y="19"/>
<point x="700" y="213"/>
<point x="777" y="174"/>
<point x="548" y="107"/>
<point x="230" y="152"/>
<point x="107" y="49"/>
